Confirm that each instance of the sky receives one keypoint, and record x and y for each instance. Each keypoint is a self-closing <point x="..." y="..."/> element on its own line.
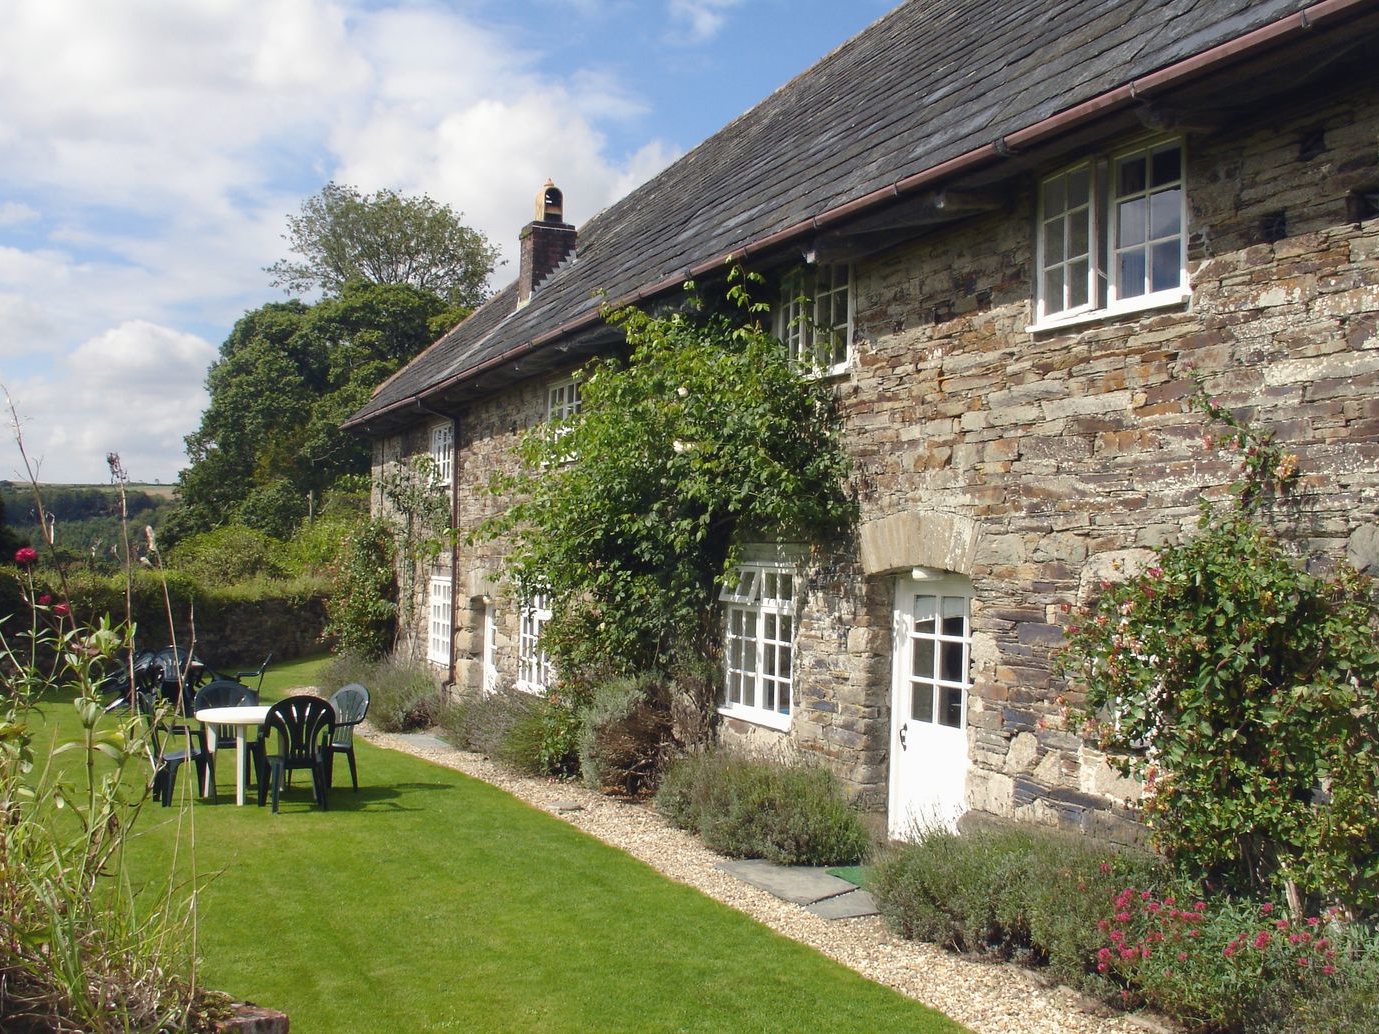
<point x="152" y="150"/>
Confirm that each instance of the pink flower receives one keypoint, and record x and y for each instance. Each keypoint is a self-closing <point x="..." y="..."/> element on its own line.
<point x="44" y="600"/>
<point x="61" y="609"/>
<point x="1267" y="907"/>
<point x="1261" y="941"/>
<point x="1182" y="956"/>
<point x="26" y="556"/>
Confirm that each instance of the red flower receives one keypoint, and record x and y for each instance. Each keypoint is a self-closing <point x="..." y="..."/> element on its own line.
<point x="44" y="600"/>
<point x="26" y="556"/>
<point x="61" y="610"/>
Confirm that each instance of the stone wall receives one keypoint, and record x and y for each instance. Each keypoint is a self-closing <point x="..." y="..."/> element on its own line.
<point x="1072" y="451"/>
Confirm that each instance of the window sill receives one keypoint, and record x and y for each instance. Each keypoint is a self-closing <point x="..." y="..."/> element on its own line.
<point x="756" y="716"/>
<point x="1166" y="300"/>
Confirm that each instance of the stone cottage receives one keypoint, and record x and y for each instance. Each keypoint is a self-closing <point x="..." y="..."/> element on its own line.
<point x="1020" y="227"/>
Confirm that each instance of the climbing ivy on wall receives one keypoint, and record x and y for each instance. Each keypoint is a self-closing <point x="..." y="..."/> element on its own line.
<point x="703" y="437"/>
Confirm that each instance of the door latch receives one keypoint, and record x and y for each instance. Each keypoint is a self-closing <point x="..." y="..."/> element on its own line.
<point x="902" y="737"/>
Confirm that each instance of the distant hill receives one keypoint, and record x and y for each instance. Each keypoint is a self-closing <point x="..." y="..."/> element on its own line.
<point x="85" y="518"/>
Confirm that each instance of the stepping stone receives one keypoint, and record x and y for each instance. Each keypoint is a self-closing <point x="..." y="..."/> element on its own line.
<point x="846" y="906"/>
<point x="804" y="885"/>
<point x="424" y="740"/>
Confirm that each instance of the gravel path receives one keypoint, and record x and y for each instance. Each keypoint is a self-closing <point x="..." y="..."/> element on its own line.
<point x="988" y="998"/>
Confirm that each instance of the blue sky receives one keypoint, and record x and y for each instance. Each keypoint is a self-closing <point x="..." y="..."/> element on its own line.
<point x="151" y="150"/>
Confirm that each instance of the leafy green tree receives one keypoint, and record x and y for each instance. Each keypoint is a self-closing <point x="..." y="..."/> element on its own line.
<point x="343" y="235"/>
<point x="705" y="437"/>
<point x="287" y="375"/>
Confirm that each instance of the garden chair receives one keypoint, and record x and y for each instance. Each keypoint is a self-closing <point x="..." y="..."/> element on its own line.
<point x="257" y="673"/>
<point x="174" y="667"/>
<point x="300" y="727"/>
<point x="230" y="693"/>
<point x="351" y="704"/>
<point x="174" y="743"/>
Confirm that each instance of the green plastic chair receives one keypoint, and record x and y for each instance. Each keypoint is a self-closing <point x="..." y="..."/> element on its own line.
<point x="301" y="728"/>
<point x="351" y="704"/>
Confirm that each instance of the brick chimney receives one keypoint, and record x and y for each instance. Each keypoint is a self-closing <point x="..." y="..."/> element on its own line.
<point x="546" y="242"/>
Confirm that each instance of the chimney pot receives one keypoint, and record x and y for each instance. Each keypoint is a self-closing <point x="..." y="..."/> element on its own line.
<point x="547" y="241"/>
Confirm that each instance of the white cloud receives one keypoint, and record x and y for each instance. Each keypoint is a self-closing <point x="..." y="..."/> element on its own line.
<point x="133" y="390"/>
<point x="702" y="18"/>
<point x="151" y="150"/>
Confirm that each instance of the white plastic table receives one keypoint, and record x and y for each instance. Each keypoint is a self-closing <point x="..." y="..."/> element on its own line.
<point x="241" y="718"/>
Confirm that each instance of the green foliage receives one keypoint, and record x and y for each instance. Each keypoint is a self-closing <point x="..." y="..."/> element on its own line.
<point x="1208" y="963"/>
<point x="543" y="740"/>
<point x="417" y="509"/>
<point x="230" y="554"/>
<point x="705" y="436"/>
<point x="344" y="236"/>
<point x="88" y="520"/>
<point x="77" y="952"/>
<point x="788" y="813"/>
<point x="1244" y="690"/>
<point x="362" y="605"/>
<point x="1124" y="928"/>
<point x="403" y="694"/>
<point x="270" y="447"/>
<point x="624" y="735"/>
<point x="480" y="721"/>
<point x="1019" y="893"/>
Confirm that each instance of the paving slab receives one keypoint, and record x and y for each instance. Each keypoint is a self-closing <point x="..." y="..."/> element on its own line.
<point x="846" y="906"/>
<point x="804" y="885"/>
<point x="424" y="740"/>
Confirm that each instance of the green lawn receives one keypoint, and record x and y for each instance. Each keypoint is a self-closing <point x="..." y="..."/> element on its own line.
<point x="431" y="901"/>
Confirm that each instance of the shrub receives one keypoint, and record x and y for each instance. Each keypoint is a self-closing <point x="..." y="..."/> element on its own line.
<point x="788" y="813"/>
<point x="481" y="722"/>
<point x="403" y="694"/>
<point x="79" y="952"/>
<point x="544" y="740"/>
<point x="1021" y="893"/>
<point x="228" y="555"/>
<point x="623" y="735"/>
<point x="1244" y="689"/>
<point x="363" y="601"/>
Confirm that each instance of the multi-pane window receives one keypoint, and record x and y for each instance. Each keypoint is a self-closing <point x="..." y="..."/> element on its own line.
<point x="814" y="318"/>
<point x="443" y="452"/>
<point x="439" y="610"/>
<point x="490" y="661"/>
<point x="1112" y="234"/>
<point x="940" y="659"/>
<point x="533" y="666"/>
<point x="562" y="401"/>
<point x="759" y="642"/>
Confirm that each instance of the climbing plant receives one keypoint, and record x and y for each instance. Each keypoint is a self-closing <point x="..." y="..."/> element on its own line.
<point x="1244" y="690"/>
<point x="632" y="509"/>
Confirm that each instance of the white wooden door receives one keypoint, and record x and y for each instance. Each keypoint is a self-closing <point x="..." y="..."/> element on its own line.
<point x="932" y="666"/>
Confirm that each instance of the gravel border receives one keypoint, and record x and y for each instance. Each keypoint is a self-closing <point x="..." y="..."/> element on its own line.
<point x="989" y="998"/>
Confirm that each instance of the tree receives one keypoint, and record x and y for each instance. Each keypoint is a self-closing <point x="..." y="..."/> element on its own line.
<point x="705" y="437"/>
<point x="287" y="376"/>
<point x="343" y="235"/>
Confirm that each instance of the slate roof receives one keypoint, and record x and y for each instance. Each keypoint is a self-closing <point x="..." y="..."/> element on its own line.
<point x="934" y="85"/>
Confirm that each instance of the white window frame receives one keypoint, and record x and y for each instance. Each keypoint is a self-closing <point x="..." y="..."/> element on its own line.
<point x="946" y="645"/>
<point x="489" y="677"/>
<point x="533" y="664"/>
<point x="440" y="619"/>
<point x="814" y="318"/>
<point x="443" y="452"/>
<point x="759" y="627"/>
<point x="1091" y="225"/>
<point x="562" y="400"/>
